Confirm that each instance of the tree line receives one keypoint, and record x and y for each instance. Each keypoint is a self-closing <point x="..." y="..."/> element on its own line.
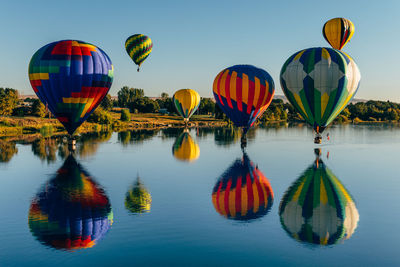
<point x="135" y="101"/>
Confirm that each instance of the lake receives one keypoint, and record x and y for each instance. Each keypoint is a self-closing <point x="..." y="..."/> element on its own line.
<point x="167" y="198"/>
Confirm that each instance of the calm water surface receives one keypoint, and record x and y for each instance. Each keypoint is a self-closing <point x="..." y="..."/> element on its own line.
<point x="165" y="197"/>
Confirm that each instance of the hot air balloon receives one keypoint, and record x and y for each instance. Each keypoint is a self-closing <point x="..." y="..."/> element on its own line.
<point x="338" y="31"/>
<point x="71" y="78"/>
<point x="317" y="209"/>
<point x="243" y="92"/>
<point x="186" y="102"/>
<point x="71" y="211"/>
<point x="242" y="192"/>
<point x="185" y="148"/>
<point x="138" y="47"/>
<point x="138" y="199"/>
<point x="319" y="83"/>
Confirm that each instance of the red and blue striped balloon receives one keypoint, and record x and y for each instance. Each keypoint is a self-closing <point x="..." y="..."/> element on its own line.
<point x="243" y="92"/>
<point x="242" y="192"/>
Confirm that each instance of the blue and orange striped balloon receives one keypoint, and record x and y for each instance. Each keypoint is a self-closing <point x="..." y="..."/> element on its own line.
<point x="242" y="192"/>
<point x="243" y="92"/>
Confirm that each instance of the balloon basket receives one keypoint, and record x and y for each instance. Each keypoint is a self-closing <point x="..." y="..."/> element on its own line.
<point x="318" y="139"/>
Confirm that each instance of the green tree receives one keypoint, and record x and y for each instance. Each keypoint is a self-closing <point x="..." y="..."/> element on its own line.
<point x="164" y="95"/>
<point x="38" y="109"/>
<point x="207" y="106"/>
<point x="125" y="115"/>
<point x="167" y="104"/>
<point x="127" y="95"/>
<point x="144" y="105"/>
<point x="8" y="100"/>
<point x="107" y="103"/>
<point x="219" y="114"/>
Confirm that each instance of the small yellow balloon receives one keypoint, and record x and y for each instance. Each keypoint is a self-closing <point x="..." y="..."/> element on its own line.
<point x="185" y="148"/>
<point x="338" y="32"/>
<point x="186" y="102"/>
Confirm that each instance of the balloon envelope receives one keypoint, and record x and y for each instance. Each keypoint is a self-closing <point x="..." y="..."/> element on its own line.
<point x="186" y="102"/>
<point x="138" y="199"/>
<point x="138" y="47"/>
<point x="71" y="211"/>
<point x="71" y="78"/>
<point x="317" y="209"/>
<point x="242" y="192"/>
<point x="185" y="148"/>
<point x="319" y="83"/>
<point x="338" y="32"/>
<point x="243" y="92"/>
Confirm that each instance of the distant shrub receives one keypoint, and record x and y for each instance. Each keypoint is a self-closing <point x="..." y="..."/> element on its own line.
<point x="125" y="115"/>
<point x="357" y="120"/>
<point x="100" y="116"/>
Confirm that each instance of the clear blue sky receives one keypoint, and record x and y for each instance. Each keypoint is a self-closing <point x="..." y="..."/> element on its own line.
<point x="194" y="40"/>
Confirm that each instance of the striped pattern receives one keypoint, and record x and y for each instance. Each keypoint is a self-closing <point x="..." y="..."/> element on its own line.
<point x="138" y="47"/>
<point x="185" y="148"/>
<point x="242" y="192"/>
<point x="71" y="211"/>
<point x="243" y="92"/>
<point x="338" y="32"/>
<point x="186" y="102"/>
<point x="319" y="83"/>
<point x="138" y="199"/>
<point x="71" y="78"/>
<point x="317" y="208"/>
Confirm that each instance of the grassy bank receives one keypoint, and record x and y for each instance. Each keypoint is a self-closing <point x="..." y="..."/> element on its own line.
<point x="11" y="126"/>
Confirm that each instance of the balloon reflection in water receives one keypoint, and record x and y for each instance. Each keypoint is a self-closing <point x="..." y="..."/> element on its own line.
<point x="185" y="148"/>
<point x="242" y="192"/>
<point x="71" y="211"/>
<point x="138" y="199"/>
<point x="317" y="208"/>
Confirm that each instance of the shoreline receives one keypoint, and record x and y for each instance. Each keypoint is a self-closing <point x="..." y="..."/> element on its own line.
<point x="15" y="126"/>
<point x="11" y="126"/>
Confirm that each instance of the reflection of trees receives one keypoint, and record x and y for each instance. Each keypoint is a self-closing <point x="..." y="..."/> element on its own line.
<point x="136" y="136"/>
<point x="45" y="149"/>
<point x="7" y="151"/>
<point x="226" y="136"/>
<point x="124" y="137"/>
<point x="203" y="132"/>
<point x="170" y="133"/>
<point x="87" y="144"/>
